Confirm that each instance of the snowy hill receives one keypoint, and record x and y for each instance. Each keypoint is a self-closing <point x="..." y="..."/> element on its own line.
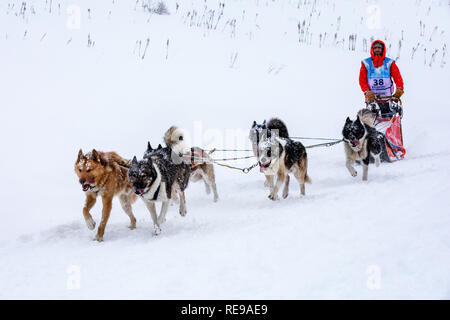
<point x="113" y="75"/>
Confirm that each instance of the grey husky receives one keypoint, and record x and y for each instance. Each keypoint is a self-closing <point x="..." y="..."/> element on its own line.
<point x="361" y="141"/>
<point x="159" y="178"/>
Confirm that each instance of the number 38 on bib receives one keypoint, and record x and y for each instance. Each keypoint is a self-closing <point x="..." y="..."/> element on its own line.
<point x="379" y="79"/>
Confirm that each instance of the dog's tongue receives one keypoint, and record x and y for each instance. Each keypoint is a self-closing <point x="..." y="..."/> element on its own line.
<point x="141" y="191"/>
<point x="356" y="142"/>
<point x="261" y="169"/>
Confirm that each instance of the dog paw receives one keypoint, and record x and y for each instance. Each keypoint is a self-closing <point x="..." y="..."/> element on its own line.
<point x="285" y="195"/>
<point x="183" y="212"/>
<point x="90" y="223"/>
<point x="98" y="238"/>
<point x="354" y="173"/>
<point x="132" y="226"/>
<point x="156" y="230"/>
<point x="377" y="162"/>
<point x="273" y="197"/>
<point x="216" y="198"/>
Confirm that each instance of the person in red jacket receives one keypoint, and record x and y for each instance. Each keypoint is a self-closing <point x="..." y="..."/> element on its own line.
<point x="376" y="75"/>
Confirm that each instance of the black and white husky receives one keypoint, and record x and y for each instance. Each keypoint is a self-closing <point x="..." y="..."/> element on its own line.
<point x="261" y="132"/>
<point x="361" y="141"/>
<point x="264" y="131"/>
<point x="281" y="156"/>
<point x="158" y="178"/>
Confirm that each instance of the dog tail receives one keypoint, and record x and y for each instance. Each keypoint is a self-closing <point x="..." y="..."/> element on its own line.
<point x="114" y="157"/>
<point x="175" y="139"/>
<point x="277" y="124"/>
<point x="367" y="117"/>
<point x="303" y="166"/>
<point x="173" y="136"/>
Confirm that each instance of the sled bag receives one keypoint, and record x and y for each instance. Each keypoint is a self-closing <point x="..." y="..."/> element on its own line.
<point x="392" y="129"/>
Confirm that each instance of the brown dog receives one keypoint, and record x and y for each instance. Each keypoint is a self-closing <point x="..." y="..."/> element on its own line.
<point x="104" y="174"/>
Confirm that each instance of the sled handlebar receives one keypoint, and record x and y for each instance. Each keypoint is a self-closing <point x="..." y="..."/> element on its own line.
<point x="396" y="106"/>
<point x="388" y="98"/>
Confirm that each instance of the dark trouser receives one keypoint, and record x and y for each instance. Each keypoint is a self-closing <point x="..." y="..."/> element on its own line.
<point x="384" y="107"/>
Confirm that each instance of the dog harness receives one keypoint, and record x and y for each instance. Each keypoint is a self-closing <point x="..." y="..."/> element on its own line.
<point x="379" y="79"/>
<point x="195" y="157"/>
<point x="155" y="195"/>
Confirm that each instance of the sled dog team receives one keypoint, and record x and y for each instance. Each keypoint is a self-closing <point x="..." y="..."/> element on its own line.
<point x="164" y="172"/>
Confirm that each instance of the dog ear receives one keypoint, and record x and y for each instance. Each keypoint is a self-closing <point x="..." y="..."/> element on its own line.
<point x="149" y="147"/>
<point x="254" y="124"/>
<point x="159" y="146"/>
<point x="134" y="161"/>
<point x="281" y="141"/>
<point x="80" y="155"/>
<point x="101" y="159"/>
<point x="264" y="122"/>
<point x="348" y="120"/>
<point x="95" y="155"/>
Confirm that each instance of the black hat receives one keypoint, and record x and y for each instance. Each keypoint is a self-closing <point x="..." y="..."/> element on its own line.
<point x="378" y="44"/>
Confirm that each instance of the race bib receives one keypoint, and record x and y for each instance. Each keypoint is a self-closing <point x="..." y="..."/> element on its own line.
<point x="381" y="86"/>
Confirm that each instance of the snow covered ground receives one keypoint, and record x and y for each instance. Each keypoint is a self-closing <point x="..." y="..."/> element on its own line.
<point x="77" y="74"/>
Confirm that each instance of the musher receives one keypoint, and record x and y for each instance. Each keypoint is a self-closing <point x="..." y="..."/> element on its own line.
<point x="376" y="75"/>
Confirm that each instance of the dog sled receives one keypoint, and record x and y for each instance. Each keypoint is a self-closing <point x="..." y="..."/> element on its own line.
<point x="389" y="127"/>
